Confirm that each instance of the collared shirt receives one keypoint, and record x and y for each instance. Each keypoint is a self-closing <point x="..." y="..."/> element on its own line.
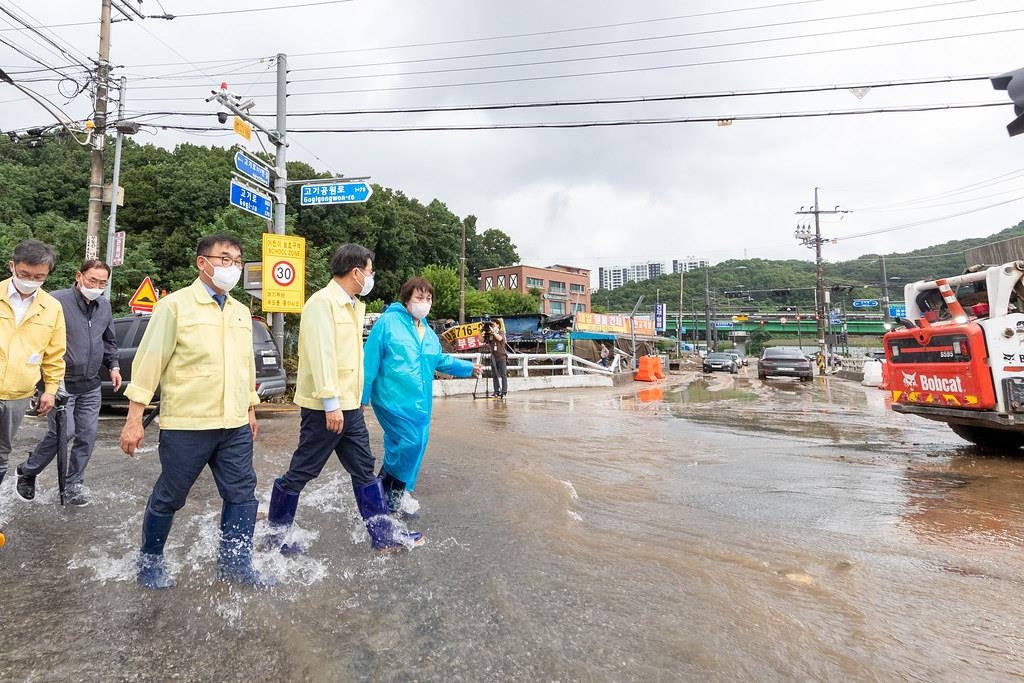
<point x="33" y="347"/>
<point x="202" y="359"/>
<point x="19" y="302"/>
<point x="330" y="351"/>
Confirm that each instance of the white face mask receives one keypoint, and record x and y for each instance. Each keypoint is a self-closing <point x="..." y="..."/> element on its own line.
<point x="226" y="277"/>
<point x="90" y="294"/>
<point x="26" y="287"/>
<point x="367" y="285"/>
<point x="418" y="309"/>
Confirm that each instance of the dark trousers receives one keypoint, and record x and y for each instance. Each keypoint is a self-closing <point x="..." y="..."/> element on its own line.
<point x="81" y="419"/>
<point x="316" y="444"/>
<point x="184" y="454"/>
<point x="499" y="371"/>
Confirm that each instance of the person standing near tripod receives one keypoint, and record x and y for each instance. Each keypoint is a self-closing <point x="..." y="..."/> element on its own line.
<point x="499" y="358"/>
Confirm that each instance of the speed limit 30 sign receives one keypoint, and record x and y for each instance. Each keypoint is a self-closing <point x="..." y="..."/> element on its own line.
<point x="283" y="273"/>
<point x="284" y="282"/>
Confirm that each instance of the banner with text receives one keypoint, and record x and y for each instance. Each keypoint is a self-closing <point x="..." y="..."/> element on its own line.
<point x="612" y="324"/>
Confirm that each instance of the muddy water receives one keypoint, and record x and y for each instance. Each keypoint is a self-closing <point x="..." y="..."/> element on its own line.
<point x="721" y="530"/>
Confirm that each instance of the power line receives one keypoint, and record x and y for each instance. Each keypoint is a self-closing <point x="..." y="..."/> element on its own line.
<point x="80" y="59"/>
<point x="663" y="37"/>
<point x="618" y="72"/>
<point x="915" y="224"/>
<point x="648" y="53"/>
<point x="1005" y="177"/>
<point x="623" y="122"/>
<point x="612" y="100"/>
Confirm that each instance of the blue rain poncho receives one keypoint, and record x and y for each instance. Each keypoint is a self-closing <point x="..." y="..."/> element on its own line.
<point x="399" y="369"/>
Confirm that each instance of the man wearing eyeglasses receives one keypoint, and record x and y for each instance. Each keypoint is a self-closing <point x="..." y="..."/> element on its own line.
<point x="198" y="350"/>
<point x="90" y="345"/>
<point x="32" y="340"/>
<point x="328" y="391"/>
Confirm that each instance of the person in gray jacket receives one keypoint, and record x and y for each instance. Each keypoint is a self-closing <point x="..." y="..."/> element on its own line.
<point x="91" y="345"/>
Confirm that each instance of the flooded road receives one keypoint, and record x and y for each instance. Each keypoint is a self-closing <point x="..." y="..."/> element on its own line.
<point x="720" y="529"/>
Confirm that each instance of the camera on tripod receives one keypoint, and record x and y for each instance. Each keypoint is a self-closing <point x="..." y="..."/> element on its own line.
<point x="487" y="331"/>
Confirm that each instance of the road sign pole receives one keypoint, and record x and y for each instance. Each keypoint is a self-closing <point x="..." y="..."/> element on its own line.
<point x="281" y="177"/>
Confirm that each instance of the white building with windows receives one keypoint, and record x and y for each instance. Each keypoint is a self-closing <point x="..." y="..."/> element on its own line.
<point x="688" y="264"/>
<point x="616" y="276"/>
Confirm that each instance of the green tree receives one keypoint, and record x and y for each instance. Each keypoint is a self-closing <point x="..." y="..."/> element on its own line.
<point x="445" y="281"/>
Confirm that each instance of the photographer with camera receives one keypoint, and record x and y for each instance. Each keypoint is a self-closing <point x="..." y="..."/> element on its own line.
<point x="32" y="340"/>
<point x="499" y="356"/>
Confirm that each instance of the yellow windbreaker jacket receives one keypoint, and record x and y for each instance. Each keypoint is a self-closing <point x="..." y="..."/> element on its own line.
<point x="330" y="349"/>
<point x="34" y="349"/>
<point x="202" y="359"/>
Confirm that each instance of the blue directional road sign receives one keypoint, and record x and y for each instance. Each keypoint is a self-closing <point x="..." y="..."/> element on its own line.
<point x="865" y="303"/>
<point x="249" y="200"/>
<point x="251" y="168"/>
<point x="335" y="193"/>
<point x="897" y="310"/>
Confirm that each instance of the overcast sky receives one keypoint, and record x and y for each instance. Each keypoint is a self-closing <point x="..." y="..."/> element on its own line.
<point x="600" y="196"/>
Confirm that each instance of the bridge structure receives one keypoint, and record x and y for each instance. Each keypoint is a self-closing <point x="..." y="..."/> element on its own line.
<point x="775" y="323"/>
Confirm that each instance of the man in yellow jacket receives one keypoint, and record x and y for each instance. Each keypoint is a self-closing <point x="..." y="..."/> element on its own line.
<point x="33" y="340"/>
<point x="198" y="350"/>
<point x="328" y="390"/>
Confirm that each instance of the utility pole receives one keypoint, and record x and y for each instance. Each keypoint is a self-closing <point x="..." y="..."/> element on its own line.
<point x="679" y="319"/>
<point x="885" y="298"/>
<point x="114" y="182"/>
<point x="92" y="235"/>
<point x="707" y="308"/>
<point x="462" y="276"/>
<point x="814" y="241"/>
<point x="281" y="176"/>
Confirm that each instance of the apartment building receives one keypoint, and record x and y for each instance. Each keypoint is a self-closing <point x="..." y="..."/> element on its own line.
<point x="563" y="289"/>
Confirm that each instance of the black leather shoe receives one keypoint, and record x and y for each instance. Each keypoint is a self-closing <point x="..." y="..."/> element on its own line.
<point x="26" y="487"/>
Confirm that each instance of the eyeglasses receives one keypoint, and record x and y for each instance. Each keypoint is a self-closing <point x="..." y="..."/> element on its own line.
<point x="94" y="283"/>
<point x="38" y="277"/>
<point x="224" y="260"/>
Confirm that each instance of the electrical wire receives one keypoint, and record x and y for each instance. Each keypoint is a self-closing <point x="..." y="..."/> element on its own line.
<point x="691" y="34"/>
<point x="936" y="219"/>
<point x="619" y="72"/>
<point x="629" y="122"/>
<point x="902" y="205"/>
<point x="624" y="100"/>
<point x="61" y="51"/>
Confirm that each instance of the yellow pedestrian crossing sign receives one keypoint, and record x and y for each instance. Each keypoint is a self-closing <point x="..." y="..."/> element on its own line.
<point x="144" y="298"/>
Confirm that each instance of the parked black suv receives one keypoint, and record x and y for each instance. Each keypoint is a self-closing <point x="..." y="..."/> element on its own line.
<point x="270" y="375"/>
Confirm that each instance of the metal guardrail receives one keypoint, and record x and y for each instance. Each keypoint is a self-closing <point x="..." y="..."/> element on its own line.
<point x="522" y="364"/>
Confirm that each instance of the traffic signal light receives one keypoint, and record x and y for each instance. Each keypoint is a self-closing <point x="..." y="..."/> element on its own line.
<point x="1013" y="83"/>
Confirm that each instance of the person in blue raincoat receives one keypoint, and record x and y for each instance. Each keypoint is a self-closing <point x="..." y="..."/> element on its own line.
<point x="399" y="359"/>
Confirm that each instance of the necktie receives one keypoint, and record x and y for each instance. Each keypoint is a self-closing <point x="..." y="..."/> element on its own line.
<point x="220" y="299"/>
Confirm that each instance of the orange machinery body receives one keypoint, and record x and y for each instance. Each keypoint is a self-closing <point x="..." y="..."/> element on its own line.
<point x="945" y="364"/>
